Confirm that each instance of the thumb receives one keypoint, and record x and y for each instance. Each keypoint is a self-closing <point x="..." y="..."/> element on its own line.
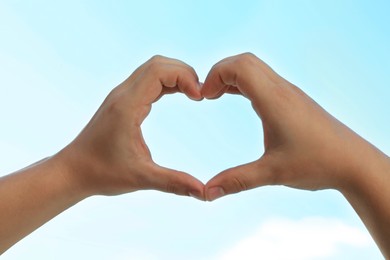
<point x="176" y="182"/>
<point x="239" y="178"/>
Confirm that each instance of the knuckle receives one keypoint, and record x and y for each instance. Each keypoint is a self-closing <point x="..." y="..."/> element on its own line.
<point x="153" y="68"/>
<point x="248" y="55"/>
<point x="239" y="184"/>
<point x="274" y="173"/>
<point x="156" y="58"/>
<point x="113" y="104"/>
<point x="192" y="70"/>
<point x="172" y="188"/>
<point x="115" y="112"/>
<point x="246" y="59"/>
<point x="155" y="63"/>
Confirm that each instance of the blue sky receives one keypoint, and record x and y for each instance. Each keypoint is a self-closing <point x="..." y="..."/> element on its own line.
<point x="59" y="59"/>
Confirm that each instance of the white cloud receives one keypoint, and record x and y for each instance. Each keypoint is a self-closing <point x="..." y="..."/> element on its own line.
<point x="308" y="238"/>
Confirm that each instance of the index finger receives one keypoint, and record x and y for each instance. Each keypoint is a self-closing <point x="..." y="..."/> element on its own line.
<point x="251" y="76"/>
<point x="162" y="75"/>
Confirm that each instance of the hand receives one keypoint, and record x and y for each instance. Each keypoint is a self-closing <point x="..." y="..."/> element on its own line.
<point x="305" y="147"/>
<point x="110" y="155"/>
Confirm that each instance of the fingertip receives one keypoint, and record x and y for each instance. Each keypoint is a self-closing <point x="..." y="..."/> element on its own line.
<point x="193" y="92"/>
<point x="197" y="195"/>
<point x="200" y="86"/>
<point x="214" y="193"/>
<point x="215" y="188"/>
<point x="233" y="180"/>
<point x="205" y="91"/>
<point x="197" y="96"/>
<point x="213" y="86"/>
<point x="177" y="182"/>
<point x="208" y="97"/>
<point x="196" y="188"/>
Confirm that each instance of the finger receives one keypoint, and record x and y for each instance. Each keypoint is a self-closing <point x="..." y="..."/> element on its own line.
<point x="173" y="90"/>
<point x="167" y="91"/>
<point x="218" y="79"/>
<point x="240" y="178"/>
<point x="233" y="90"/>
<point x="229" y="90"/>
<point x="182" y="79"/>
<point x="176" y="182"/>
<point x="222" y="91"/>
<point x="159" y="74"/>
<point x="153" y="59"/>
<point x="252" y="77"/>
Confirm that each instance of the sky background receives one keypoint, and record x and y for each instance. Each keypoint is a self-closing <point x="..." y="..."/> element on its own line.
<point x="59" y="59"/>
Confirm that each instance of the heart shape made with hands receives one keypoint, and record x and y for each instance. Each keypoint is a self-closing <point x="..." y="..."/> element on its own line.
<point x="291" y="155"/>
<point x="304" y="146"/>
<point x="276" y="102"/>
<point x="220" y="80"/>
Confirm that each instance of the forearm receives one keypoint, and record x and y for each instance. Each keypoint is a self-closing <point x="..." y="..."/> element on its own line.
<point x="33" y="196"/>
<point x="369" y="195"/>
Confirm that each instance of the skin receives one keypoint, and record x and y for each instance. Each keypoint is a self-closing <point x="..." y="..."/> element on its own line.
<point x="304" y="146"/>
<point x="109" y="156"/>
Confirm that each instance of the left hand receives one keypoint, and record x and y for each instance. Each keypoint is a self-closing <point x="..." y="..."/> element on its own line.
<point x="110" y="155"/>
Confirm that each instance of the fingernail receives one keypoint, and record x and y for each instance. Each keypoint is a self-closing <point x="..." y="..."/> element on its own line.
<point x="215" y="193"/>
<point x="196" y="195"/>
<point x="200" y="85"/>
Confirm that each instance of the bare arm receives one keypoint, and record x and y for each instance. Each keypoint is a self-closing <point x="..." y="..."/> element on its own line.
<point x="109" y="156"/>
<point x="305" y="147"/>
<point x="31" y="197"/>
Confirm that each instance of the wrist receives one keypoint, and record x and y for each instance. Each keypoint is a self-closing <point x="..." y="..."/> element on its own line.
<point x="370" y="170"/>
<point x="71" y="172"/>
<point x="369" y="195"/>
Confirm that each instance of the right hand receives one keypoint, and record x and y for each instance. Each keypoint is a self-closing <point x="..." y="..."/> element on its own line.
<point x="304" y="146"/>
